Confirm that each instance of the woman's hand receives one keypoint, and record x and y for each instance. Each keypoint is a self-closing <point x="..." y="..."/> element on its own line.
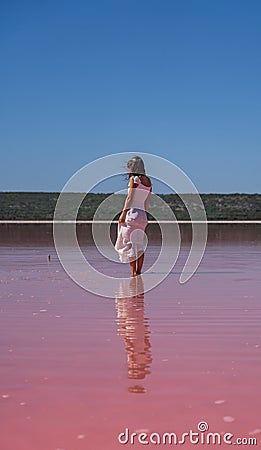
<point x="122" y="217"/>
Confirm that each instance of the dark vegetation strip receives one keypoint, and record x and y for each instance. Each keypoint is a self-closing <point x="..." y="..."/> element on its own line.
<point x="41" y="206"/>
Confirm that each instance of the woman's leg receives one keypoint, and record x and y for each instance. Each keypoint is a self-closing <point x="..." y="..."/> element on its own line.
<point x="133" y="268"/>
<point x="140" y="261"/>
<point x="135" y="263"/>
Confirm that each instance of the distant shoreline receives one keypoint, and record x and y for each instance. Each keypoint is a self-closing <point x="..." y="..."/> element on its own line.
<point x="89" y="222"/>
<point x="40" y="206"/>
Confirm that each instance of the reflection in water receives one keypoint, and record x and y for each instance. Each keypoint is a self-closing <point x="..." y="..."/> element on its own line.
<point x="134" y="328"/>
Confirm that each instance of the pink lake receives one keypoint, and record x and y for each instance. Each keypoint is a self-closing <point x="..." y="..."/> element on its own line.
<point x="78" y="369"/>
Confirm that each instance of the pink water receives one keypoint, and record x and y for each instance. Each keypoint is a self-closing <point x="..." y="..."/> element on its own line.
<point x="78" y="369"/>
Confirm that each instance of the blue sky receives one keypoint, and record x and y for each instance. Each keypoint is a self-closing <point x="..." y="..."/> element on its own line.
<point x="83" y="79"/>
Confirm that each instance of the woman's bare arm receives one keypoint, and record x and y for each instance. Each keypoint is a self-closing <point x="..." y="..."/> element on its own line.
<point x="130" y="194"/>
<point x="128" y="200"/>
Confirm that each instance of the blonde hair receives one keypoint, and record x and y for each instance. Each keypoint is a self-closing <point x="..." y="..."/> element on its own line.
<point x="136" y="166"/>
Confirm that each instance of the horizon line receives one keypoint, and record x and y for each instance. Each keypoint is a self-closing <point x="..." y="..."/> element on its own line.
<point x="116" y="221"/>
<point x="112" y="192"/>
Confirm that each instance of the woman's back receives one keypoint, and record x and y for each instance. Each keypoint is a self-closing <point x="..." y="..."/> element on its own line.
<point x="140" y="191"/>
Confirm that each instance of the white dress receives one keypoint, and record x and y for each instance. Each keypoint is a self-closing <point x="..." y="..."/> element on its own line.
<point x="130" y="238"/>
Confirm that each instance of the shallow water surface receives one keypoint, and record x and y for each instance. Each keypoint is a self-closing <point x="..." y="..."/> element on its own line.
<point x="78" y="369"/>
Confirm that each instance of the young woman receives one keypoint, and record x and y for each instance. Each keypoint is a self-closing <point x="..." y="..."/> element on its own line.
<point x="134" y="216"/>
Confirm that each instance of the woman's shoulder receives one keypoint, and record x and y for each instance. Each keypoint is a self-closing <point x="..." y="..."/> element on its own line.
<point x="145" y="180"/>
<point x="137" y="180"/>
<point x="134" y="181"/>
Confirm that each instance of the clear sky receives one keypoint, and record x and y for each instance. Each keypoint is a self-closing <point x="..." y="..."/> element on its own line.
<point x="82" y="79"/>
